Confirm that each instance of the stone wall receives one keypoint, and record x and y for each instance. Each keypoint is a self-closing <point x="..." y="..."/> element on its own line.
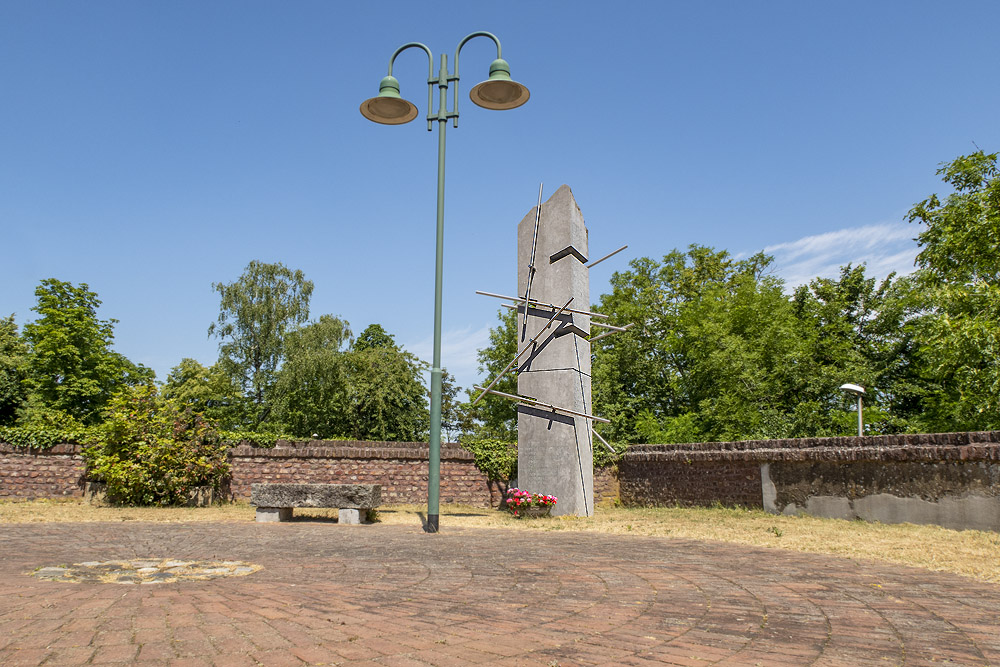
<point x="948" y="479"/>
<point x="55" y="473"/>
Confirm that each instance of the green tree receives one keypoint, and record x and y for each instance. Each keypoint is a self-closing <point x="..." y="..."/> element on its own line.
<point x="959" y="288"/>
<point x="651" y="380"/>
<point x="455" y="420"/>
<point x="386" y="397"/>
<point x="206" y="390"/>
<point x="255" y="314"/>
<point x="495" y="417"/>
<point x="719" y="352"/>
<point x="71" y="366"/>
<point x="312" y="385"/>
<point x="374" y="336"/>
<point x="13" y="371"/>
<point x="858" y="330"/>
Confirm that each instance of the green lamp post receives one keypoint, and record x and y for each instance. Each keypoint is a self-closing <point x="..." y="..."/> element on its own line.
<point x="498" y="92"/>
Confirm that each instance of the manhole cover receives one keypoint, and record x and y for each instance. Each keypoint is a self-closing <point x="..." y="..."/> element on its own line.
<point x="145" y="571"/>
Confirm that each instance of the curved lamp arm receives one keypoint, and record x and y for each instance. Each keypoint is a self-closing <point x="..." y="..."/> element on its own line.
<point x="481" y="33"/>
<point x="430" y="73"/>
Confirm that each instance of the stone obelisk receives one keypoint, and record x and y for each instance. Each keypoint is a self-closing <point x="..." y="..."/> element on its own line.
<point x="555" y="450"/>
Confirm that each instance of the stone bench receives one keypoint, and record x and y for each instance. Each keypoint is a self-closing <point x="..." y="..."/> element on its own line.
<point x="275" y="502"/>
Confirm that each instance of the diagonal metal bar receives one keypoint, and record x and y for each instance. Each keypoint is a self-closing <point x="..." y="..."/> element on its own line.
<point x="603" y="441"/>
<point x="608" y="256"/>
<point x="539" y="304"/>
<point x="611" y="333"/>
<point x="608" y="326"/>
<point x="531" y="262"/>
<point x="523" y="350"/>
<point x="539" y="404"/>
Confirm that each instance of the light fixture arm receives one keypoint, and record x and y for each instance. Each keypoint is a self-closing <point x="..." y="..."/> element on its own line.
<point x="481" y="33"/>
<point x="431" y="80"/>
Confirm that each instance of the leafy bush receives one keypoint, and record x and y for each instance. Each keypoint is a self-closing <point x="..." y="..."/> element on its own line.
<point x="41" y="427"/>
<point x="153" y="451"/>
<point x="495" y="458"/>
<point x="40" y="437"/>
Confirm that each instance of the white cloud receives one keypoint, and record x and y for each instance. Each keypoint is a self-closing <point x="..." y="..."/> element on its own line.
<point x="884" y="248"/>
<point x="458" y="352"/>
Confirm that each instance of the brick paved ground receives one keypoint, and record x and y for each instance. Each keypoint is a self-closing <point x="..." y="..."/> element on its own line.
<point x="392" y="595"/>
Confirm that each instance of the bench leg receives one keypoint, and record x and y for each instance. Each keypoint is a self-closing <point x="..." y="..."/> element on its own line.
<point x="270" y="514"/>
<point x="352" y="516"/>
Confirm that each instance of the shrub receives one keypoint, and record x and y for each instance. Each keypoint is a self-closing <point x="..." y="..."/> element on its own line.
<point x="153" y="451"/>
<point x="495" y="458"/>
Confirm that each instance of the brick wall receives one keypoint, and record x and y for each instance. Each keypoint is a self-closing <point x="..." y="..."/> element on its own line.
<point x="931" y="467"/>
<point x="400" y="467"/>
<point x="55" y="473"/>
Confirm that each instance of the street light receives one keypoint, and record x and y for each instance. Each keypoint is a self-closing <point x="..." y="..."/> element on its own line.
<point x="498" y="92"/>
<point x="859" y="392"/>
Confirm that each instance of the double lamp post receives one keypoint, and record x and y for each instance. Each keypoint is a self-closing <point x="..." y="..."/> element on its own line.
<point x="498" y="92"/>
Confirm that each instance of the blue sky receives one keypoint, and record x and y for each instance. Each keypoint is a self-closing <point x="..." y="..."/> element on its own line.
<point x="151" y="149"/>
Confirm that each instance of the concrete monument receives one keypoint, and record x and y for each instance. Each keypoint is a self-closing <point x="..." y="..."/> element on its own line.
<point x="555" y="436"/>
<point x="555" y="449"/>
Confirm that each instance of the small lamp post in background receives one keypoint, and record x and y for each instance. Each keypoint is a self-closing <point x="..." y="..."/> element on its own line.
<point x="389" y="108"/>
<point x="859" y="392"/>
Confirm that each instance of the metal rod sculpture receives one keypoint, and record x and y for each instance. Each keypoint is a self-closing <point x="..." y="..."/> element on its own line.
<point x="555" y="420"/>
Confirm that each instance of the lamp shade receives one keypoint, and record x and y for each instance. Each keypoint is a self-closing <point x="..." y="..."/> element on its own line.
<point x="499" y="92"/>
<point x="388" y="108"/>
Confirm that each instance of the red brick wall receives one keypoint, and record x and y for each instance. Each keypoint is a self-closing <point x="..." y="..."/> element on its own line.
<point x="400" y="467"/>
<point x="55" y="473"/>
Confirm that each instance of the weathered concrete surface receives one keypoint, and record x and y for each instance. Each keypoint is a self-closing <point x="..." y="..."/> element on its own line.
<point x="960" y="513"/>
<point x="395" y="596"/>
<point x="347" y="496"/>
<point x="351" y="516"/>
<point x="555" y="451"/>
<point x="273" y="514"/>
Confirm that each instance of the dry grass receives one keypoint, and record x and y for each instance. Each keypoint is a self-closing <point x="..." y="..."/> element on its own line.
<point x="970" y="553"/>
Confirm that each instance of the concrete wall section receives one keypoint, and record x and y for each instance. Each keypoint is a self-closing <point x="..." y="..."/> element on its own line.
<point x="946" y="479"/>
<point x="961" y="494"/>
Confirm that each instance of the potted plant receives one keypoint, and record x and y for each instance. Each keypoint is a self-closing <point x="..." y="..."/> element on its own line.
<point x="522" y="503"/>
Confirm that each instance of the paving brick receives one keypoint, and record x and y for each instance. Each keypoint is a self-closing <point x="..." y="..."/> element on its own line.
<point x="392" y="595"/>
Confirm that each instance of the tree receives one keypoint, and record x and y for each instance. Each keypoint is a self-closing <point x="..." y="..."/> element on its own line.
<point x="496" y="417"/>
<point x="959" y="281"/>
<point x="386" y="397"/>
<point x="374" y="336"/>
<point x="861" y="333"/>
<point x="71" y="366"/>
<point x="312" y="385"/>
<point x="13" y="371"/>
<point x="454" y="416"/>
<point x="206" y="390"/>
<point x="255" y="314"/>
<point x="719" y="352"/>
<point x="651" y="380"/>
